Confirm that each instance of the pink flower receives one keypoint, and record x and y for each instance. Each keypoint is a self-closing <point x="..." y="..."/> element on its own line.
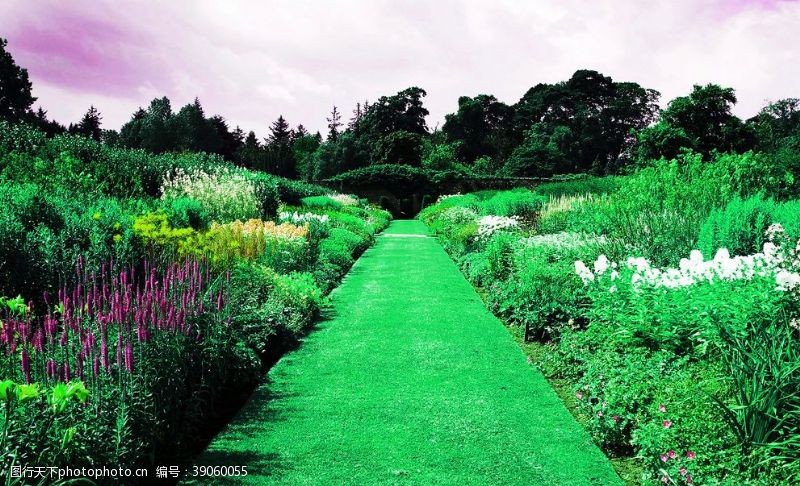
<point x="683" y="471"/>
<point x="662" y="408"/>
<point x="664" y="479"/>
<point x="689" y="479"/>
<point x="616" y="418"/>
<point x="690" y="455"/>
<point x="579" y="395"/>
<point x="664" y="458"/>
<point x="672" y="454"/>
<point x="667" y="424"/>
<point x="600" y="413"/>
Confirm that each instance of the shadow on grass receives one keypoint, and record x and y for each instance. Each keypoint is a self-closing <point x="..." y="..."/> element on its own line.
<point x="263" y="409"/>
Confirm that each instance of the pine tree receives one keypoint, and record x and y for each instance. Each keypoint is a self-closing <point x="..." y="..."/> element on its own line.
<point x="356" y="117"/>
<point x="279" y="158"/>
<point x="15" y="88"/>
<point x="334" y="124"/>
<point x="89" y="126"/>
<point x="280" y="134"/>
<point x="298" y="132"/>
<point x="251" y="153"/>
<point x="49" y="127"/>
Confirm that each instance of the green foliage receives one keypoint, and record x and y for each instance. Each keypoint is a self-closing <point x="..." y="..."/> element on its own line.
<point x="741" y="225"/>
<point x="701" y="122"/>
<point x="697" y="380"/>
<point x="272" y="308"/>
<point x="395" y="176"/>
<point x="69" y="199"/>
<point x="185" y="212"/>
<point x="659" y="211"/>
<point x="292" y="192"/>
<point x="399" y="147"/>
<point x="320" y="202"/>
<point x="579" y="186"/>
<point x="579" y="125"/>
<point x="440" y="157"/>
<point x="337" y="253"/>
<point x="765" y="367"/>
<point x="481" y="128"/>
<point x="516" y="202"/>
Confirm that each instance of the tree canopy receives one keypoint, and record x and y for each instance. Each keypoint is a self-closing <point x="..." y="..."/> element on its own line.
<point x="15" y="88"/>
<point x="587" y="123"/>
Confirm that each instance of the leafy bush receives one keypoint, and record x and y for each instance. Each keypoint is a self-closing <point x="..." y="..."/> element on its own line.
<point x="579" y="186"/>
<point x="383" y="174"/>
<point x="336" y="255"/>
<point x="517" y="202"/>
<point x="541" y="293"/>
<point x="740" y="226"/>
<point x="292" y="192"/>
<point x="185" y="212"/>
<point x="659" y="211"/>
<point x="321" y="202"/>
<point x="271" y="308"/>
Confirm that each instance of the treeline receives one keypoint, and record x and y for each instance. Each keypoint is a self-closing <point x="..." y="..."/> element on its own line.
<point x="588" y="123"/>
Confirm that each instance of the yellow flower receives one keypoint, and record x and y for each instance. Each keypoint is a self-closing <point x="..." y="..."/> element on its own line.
<point x="96" y="216"/>
<point x="117" y="238"/>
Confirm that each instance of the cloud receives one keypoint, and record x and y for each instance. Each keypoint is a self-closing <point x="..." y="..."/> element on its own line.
<point x="251" y="61"/>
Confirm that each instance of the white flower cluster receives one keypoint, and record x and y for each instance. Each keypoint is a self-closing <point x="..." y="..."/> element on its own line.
<point x="225" y="193"/>
<point x="458" y="215"/>
<point x="299" y="219"/>
<point x="345" y="199"/>
<point x="447" y="196"/>
<point x="695" y="269"/>
<point x="563" y="240"/>
<point x="489" y="225"/>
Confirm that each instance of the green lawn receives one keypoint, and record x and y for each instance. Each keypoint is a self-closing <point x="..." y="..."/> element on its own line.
<point x="410" y="381"/>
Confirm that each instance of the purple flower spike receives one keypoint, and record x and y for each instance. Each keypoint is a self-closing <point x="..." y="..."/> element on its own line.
<point x="51" y="368"/>
<point x="26" y="365"/>
<point x="129" y="357"/>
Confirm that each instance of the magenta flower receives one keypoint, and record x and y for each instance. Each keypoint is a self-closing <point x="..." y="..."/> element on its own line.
<point x="667" y="424"/>
<point x="672" y="454"/>
<point x="26" y="365"/>
<point x="616" y="418"/>
<point x="664" y="458"/>
<point x="51" y="368"/>
<point x="129" y="357"/>
<point x="689" y="479"/>
<point x="690" y="455"/>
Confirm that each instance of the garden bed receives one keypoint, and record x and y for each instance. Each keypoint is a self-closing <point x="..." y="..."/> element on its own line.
<point x="663" y="311"/>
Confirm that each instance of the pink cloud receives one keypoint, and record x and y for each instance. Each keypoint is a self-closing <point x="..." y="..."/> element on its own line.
<point x="251" y="61"/>
<point x="82" y="51"/>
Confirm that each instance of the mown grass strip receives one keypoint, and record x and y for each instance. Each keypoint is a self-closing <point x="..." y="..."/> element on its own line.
<point x="409" y="381"/>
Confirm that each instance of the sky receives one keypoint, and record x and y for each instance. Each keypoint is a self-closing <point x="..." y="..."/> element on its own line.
<point x="252" y="61"/>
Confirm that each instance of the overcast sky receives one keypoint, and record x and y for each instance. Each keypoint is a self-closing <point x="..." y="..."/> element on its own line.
<point x="251" y="61"/>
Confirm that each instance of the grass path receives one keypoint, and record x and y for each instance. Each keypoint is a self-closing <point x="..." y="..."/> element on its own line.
<point x="411" y="381"/>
